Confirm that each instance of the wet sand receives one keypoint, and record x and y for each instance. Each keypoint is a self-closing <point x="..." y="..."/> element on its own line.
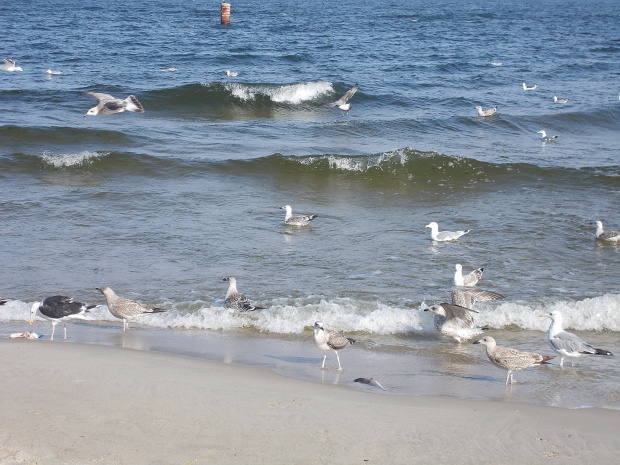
<point x="71" y="403"/>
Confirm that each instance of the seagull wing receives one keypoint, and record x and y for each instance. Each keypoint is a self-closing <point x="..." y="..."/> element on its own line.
<point x="468" y="297"/>
<point x="571" y="343"/>
<point x="457" y="312"/>
<point x="342" y="100"/>
<point x="101" y="97"/>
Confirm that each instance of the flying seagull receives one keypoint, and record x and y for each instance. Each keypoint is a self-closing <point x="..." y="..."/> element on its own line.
<point x="58" y="308"/>
<point x="606" y="235"/>
<point x="511" y="359"/>
<point x="444" y="236"/>
<point x="9" y="65"/>
<point x="342" y="101"/>
<point x="568" y="344"/>
<point x="468" y="280"/>
<point x="108" y="105"/>
<point x="235" y="300"/>
<point x="125" y="309"/>
<point x="546" y="138"/>
<point x="489" y="112"/>
<point x="300" y="220"/>
<point x="326" y="339"/>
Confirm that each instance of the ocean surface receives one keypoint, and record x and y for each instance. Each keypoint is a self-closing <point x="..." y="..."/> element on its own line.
<point x="161" y="206"/>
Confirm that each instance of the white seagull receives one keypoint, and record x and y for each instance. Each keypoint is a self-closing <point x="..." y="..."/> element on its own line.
<point x="230" y="73"/>
<point x="301" y="220"/>
<point x="444" y="235"/>
<point x="568" y="344"/>
<point x="342" y="101"/>
<point x="235" y="300"/>
<point x="51" y="72"/>
<point x="546" y="138"/>
<point x="326" y="339"/>
<point x="559" y="100"/>
<point x="606" y="235"/>
<point x="489" y="112"/>
<point x="511" y="359"/>
<point x="58" y="308"/>
<point x="526" y="87"/>
<point x="125" y="309"/>
<point x="108" y="104"/>
<point x="9" y="65"/>
<point x="468" y="280"/>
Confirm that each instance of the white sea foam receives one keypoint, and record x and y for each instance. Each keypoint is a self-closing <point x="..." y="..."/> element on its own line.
<point x="360" y="164"/>
<point x="288" y="93"/>
<point x="67" y="160"/>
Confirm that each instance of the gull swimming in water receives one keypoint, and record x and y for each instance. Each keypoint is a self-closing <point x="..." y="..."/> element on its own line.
<point x="468" y="280"/>
<point x="606" y="235"/>
<point x="342" y="101"/>
<point x="230" y="73"/>
<point x="9" y="65"/>
<point x="559" y="100"/>
<point x="546" y="138"/>
<point x="169" y="69"/>
<point x="301" y="220"/>
<point x="526" y="87"/>
<point x="235" y="300"/>
<point x="58" y="308"/>
<point x="455" y="320"/>
<point x="51" y="72"/>
<point x="125" y="309"/>
<point x="326" y="339"/>
<point x="489" y="112"/>
<point x="108" y="105"/>
<point x="511" y="359"/>
<point x="444" y="235"/>
<point x="568" y="344"/>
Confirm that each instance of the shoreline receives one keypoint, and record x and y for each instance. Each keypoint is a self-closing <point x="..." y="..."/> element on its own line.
<point x="86" y="403"/>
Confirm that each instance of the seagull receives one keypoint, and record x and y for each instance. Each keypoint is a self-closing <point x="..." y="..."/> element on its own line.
<point x="526" y="87"/>
<point x="301" y="220"/>
<point x="455" y="320"/>
<point x="546" y="138"/>
<point x="125" y="309"/>
<point x="568" y="344"/>
<point x="511" y="359"/>
<point x="58" y="308"/>
<point x="235" y="300"/>
<point x="559" y="100"/>
<point x="50" y="72"/>
<point x="169" y="70"/>
<point x="444" y="235"/>
<point x="9" y="65"/>
<point x="606" y="235"/>
<point x="108" y="105"/>
<point x="489" y="112"/>
<point x="326" y="339"/>
<point x="230" y="73"/>
<point x="468" y="280"/>
<point x="342" y="101"/>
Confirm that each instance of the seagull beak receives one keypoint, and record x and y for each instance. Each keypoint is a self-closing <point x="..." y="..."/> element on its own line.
<point x="427" y="226"/>
<point x="31" y="320"/>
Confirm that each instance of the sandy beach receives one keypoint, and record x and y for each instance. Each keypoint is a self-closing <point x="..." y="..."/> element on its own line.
<point x="78" y="403"/>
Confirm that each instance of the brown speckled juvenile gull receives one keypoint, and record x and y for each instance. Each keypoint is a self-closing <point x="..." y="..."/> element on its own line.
<point x="602" y="235"/>
<point x="511" y="359"/>
<point x="467" y="280"/>
<point x="235" y="300"/>
<point x="125" y="309"/>
<point x="326" y="339"/>
<point x="108" y="105"/>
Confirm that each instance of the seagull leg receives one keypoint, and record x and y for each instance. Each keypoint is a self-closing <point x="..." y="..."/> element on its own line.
<point x="338" y="358"/>
<point x="561" y="361"/>
<point x="324" y="357"/>
<point x="64" y="326"/>
<point x="124" y="323"/>
<point x="53" y="329"/>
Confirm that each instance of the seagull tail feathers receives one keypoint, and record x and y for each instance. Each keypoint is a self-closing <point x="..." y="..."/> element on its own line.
<point x="352" y="341"/>
<point x="547" y="358"/>
<point x="134" y="105"/>
<point x="602" y="352"/>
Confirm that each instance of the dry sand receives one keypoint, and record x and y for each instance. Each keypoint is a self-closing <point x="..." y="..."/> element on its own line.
<point x="68" y="403"/>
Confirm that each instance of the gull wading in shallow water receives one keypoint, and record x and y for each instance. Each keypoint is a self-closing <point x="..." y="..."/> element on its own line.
<point x="235" y="300"/>
<point x="300" y="220"/>
<point x="125" y="309"/>
<point x="568" y="344"/>
<point x="511" y="359"/>
<point x="606" y="235"/>
<point x="546" y="138"/>
<point x="326" y="339"/>
<point x="468" y="280"/>
<point x="444" y="236"/>
<point x="489" y="112"/>
<point x="109" y="105"/>
<point x="342" y="101"/>
<point x="9" y="65"/>
<point x="58" y="308"/>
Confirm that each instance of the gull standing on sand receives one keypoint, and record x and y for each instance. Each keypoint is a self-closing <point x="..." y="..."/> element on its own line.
<point x="326" y="339"/>
<point x="9" y="65"/>
<point x="58" y="308"/>
<point x="109" y="105"/>
<point x="468" y="280"/>
<point x="455" y="320"/>
<point x="342" y="101"/>
<point x="546" y="138"/>
<point x="559" y="100"/>
<point x="301" y="220"/>
<point x="489" y="112"/>
<point x="444" y="236"/>
<point x="606" y="235"/>
<point x="568" y="344"/>
<point x="235" y="300"/>
<point x="526" y="87"/>
<point x="126" y="309"/>
<point x="511" y="359"/>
